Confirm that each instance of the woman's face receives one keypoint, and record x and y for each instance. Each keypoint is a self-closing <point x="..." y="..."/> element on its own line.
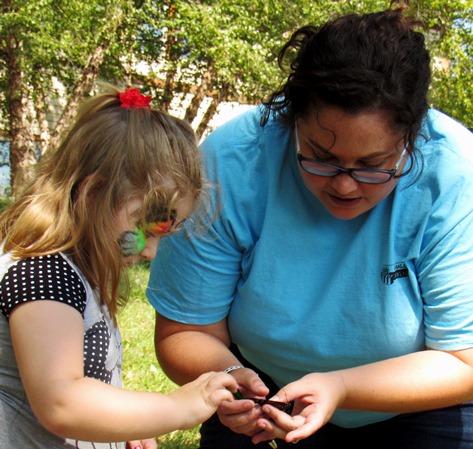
<point x="365" y="140"/>
<point x="140" y="241"/>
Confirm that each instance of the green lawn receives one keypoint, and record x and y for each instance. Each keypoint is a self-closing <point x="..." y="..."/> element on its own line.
<point x="140" y="367"/>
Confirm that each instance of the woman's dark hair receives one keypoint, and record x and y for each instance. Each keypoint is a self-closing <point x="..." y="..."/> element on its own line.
<point x="359" y="63"/>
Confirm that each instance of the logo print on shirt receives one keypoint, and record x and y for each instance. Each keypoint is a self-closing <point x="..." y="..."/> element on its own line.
<point x="390" y="273"/>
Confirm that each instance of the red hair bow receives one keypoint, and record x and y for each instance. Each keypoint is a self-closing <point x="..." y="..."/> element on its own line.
<point x="133" y="98"/>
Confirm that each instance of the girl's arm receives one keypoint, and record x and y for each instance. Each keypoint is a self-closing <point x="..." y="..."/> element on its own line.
<point x="48" y="340"/>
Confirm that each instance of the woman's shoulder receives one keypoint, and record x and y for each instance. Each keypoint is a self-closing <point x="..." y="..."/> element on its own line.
<point x="445" y="148"/>
<point x="441" y="131"/>
<point x="242" y="132"/>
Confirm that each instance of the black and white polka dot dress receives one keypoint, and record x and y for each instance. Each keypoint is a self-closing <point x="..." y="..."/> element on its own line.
<point x="51" y="277"/>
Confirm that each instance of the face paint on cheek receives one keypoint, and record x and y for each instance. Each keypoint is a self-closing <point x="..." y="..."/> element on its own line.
<point x="132" y="242"/>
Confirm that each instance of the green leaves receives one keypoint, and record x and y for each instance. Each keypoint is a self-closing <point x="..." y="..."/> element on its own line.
<point x="223" y="49"/>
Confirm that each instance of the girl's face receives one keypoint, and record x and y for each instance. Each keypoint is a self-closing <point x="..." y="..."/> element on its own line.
<point x="139" y="241"/>
<point x="365" y="141"/>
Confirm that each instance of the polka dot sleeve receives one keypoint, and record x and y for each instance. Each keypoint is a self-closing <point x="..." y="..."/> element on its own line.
<point x="44" y="277"/>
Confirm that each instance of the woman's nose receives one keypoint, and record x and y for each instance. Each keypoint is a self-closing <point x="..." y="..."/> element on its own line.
<point x="344" y="184"/>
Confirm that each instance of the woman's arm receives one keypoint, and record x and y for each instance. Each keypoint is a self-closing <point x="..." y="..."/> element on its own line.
<point x="420" y="381"/>
<point x="185" y="351"/>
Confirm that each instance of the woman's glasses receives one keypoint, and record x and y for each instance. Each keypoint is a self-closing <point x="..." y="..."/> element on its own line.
<point x="133" y="242"/>
<point x="366" y="175"/>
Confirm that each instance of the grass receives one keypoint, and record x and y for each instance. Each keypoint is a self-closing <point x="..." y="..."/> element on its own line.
<point x="141" y="371"/>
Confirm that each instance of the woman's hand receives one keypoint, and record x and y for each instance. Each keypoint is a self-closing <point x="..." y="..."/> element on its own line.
<point x="241" y="415"/>
<point x="316" y="397"/>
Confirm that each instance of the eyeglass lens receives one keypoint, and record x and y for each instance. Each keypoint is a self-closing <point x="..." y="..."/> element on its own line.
<point x="322" y="169"/>
<point x="369" y="176"/>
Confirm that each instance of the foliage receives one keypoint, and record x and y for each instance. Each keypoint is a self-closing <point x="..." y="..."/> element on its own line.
<point x="52" y="51"/>
<point x="4" y="203"/>
<point x="451" y="45"/>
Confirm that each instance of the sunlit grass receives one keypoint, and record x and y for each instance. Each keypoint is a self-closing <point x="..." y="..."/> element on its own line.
<point x="141" y="371"/>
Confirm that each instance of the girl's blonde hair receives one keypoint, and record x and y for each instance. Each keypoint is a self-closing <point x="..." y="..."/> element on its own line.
<point x="110" y="154"/>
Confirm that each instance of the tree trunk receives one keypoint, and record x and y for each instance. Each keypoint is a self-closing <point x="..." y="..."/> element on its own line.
<point x="22" y="146"/>
<point x="211" y="110"/>
<point x="89" y="75"/>
<point x="83" y="88"/>
<point x="168" y="90"/>
<point x="201" y="92"/>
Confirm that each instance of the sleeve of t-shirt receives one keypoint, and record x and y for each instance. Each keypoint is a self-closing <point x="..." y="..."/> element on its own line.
<point x="445" y="265"/>
<point x="48" y="277"/>
<point x="445" y="277"/>
<point x="193" y="281"/>
<point x="194" y="276"/>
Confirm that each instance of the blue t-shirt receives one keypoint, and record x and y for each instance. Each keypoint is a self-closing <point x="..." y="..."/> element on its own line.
<point x="307" y="292"/>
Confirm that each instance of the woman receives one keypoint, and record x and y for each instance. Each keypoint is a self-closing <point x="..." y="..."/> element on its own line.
<point x="338" y="274"/>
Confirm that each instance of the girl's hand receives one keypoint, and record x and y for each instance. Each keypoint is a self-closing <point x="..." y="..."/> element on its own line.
<point x="149" y="443"/>
<point x="198" y="400"/>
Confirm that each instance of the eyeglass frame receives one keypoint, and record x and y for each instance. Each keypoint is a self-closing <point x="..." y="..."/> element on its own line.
<point x="339" y="169"/>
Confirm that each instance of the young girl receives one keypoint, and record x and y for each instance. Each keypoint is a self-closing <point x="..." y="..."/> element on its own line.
<point x="125" y="176"/>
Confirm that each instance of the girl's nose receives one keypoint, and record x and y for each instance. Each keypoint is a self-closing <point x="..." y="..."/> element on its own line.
<point x="150" y="249"/>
